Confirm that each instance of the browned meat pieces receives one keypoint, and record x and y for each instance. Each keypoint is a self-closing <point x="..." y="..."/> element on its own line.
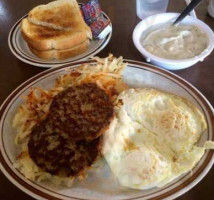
<point x="82" y="112"/>
<point x="59" y="155"/>
<point x="67" y="141"/>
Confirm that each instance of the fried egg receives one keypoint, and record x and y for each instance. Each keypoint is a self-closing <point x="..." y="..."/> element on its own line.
<point x="152" y="139"/>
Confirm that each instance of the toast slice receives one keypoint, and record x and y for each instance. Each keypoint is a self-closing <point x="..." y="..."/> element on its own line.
<point x="44" y="38"/>
<point x="60" y="54"/>
<point x="62" y="15"/>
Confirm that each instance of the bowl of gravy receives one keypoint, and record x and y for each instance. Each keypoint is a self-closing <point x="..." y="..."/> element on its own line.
<point x="173" y="47"/>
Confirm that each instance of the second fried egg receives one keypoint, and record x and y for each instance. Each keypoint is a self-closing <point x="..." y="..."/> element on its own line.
<point x="152" y="139"/>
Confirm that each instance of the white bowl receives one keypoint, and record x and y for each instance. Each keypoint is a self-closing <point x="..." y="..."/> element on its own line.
<point x="155" y="20"/>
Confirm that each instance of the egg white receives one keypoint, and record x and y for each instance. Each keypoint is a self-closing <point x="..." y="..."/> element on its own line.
<point x="152" y="139"/>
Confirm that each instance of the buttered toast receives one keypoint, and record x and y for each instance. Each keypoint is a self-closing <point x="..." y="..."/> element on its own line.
<point x="58" y="29"/>
<point x="45" y="38"/>
<point x="61" y="54"/>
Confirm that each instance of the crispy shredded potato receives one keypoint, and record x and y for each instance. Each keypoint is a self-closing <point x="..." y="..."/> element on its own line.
<point x="106" y="73"/>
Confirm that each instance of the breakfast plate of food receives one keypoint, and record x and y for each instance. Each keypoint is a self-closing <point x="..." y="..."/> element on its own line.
<point x="59" y="33"/>
<point x="106" y="128"/>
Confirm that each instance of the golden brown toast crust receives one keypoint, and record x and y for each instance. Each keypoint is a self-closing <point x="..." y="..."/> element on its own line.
<point x="44" y="38"/>
<point x="61" y="15"/>
<point x="42" y="32"/>
<point x="58" y="25"/>
<point x="60" y="54"/>
<point x="63" y="19"/>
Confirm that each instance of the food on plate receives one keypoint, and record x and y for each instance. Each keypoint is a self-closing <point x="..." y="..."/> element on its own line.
<point x="59" y="128"/>
<point x="81" y="112"/>
<point x="56" y="30"/>
<point x="175" y="42"/>
<point x="60" y="15"/>
<point x="61" y="54"/>
<point x="58" y="154"/>
<point x="153" y="138"/>
<point x="148" y="137"/>
<point x="106" y="73"/>
<point x="44" y="38"/>
<point x="63" y="144"/>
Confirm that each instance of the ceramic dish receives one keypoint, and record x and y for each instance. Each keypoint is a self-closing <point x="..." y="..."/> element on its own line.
<point x="162" y="18"/>
<point x="20" y="49"/>
<point x="100" y="184"/>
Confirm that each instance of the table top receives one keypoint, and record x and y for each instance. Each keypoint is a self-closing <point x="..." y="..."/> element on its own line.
<point x="123" y="16"/>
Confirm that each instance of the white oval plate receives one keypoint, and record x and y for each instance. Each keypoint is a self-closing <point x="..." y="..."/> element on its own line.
<point x="20" y="49"/>
<point x="100" y="184"/>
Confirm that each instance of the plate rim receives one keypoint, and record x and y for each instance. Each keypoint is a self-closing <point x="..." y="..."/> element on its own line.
<point x="17" y="54"/>
<point x="187" y="185"/>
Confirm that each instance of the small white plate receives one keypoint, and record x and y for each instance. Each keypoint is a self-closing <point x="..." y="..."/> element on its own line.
<point x="100" y="184"/>
<point x="20" y="49"/>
